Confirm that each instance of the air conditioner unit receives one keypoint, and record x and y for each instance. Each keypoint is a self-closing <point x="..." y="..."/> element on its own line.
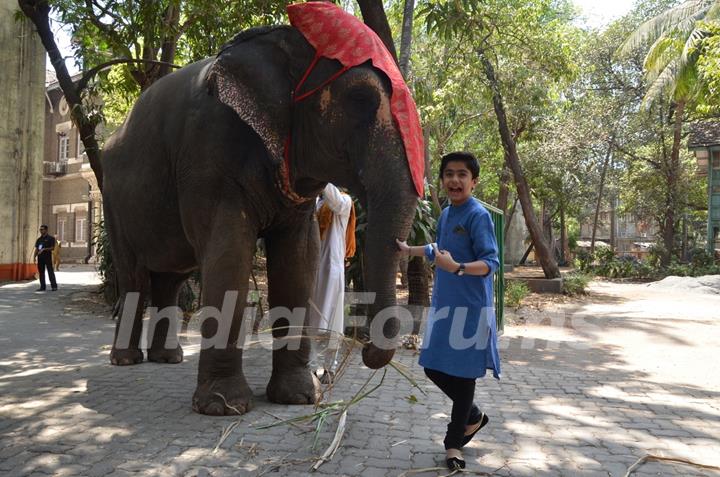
<point x="56" y="168"/>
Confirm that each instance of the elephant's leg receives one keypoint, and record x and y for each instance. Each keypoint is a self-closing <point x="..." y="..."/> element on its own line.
<point x="165" y="287"/>
<point x="133" y="292"/>
<point x="292" y="257"/>
<point x="226" y="265"/>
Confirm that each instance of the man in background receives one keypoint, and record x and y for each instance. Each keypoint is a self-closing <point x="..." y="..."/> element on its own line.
<point x="44" y="246"/>
<point x="327" y="307"/>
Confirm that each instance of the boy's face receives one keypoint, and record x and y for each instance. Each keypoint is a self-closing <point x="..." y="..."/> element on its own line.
<point x="458" y="182"/>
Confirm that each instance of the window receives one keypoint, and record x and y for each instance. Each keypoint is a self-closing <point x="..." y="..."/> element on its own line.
<point x="60" y="236"/>
<point x="81" y="230"/>
<point x="622" y="230"/>
<point x="63" y="147"/>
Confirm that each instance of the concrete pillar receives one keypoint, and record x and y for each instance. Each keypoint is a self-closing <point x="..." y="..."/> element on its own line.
<point x="22" y="76"/>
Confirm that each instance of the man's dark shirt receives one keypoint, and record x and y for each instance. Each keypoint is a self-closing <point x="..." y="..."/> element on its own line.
<point x="46" y="241"/>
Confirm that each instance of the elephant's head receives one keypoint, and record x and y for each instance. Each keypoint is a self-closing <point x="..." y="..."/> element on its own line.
<point x="343" y="132"/>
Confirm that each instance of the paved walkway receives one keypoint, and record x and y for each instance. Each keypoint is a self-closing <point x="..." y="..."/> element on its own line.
<point x="586" y="397"/>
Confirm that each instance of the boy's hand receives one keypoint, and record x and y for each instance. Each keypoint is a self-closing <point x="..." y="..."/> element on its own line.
<point x="403" y="247"/>
<point x="444" y="260"/>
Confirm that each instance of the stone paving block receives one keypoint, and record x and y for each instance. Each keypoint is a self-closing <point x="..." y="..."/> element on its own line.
<point x="131" y="418"/>
<point x="18" y="460"/>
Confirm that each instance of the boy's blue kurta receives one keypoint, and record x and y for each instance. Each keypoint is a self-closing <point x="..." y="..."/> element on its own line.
<point x="461" y="335"/>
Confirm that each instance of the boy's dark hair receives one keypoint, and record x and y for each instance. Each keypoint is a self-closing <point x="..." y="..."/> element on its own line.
<point x="43" y="226"/>
<point x="460" y="156"/>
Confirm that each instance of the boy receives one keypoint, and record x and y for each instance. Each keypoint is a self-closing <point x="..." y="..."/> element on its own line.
<point x="460" y="341"/>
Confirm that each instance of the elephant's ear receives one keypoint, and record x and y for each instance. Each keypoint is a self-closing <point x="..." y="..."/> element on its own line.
<point x="250" y="75"/>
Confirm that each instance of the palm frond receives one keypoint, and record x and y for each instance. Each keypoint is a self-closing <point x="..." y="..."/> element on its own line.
<point x="668" y="20"/>
<point x="713" y="12"/>
<point x="688" y="25"/>
<point x="664" y="82"/>
<point x="694" y="39"/>
<point x="658" y="56"/>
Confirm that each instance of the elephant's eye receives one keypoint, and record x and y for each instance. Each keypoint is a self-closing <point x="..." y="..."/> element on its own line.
<point x="362" y="103"/>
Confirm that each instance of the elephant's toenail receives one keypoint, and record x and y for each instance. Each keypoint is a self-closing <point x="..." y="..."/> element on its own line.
<point x="215" y="409"/>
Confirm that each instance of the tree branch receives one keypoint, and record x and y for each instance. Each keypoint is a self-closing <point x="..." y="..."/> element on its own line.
<point x="632" y="155"/>
<point x="106" y="29"/>
<point x="373" y="14"/>
<point x="88" y="75"/>
<point x="38" y="11"/>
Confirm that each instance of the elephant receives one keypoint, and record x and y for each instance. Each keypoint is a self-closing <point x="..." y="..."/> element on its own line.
<point x="216" y="155"/>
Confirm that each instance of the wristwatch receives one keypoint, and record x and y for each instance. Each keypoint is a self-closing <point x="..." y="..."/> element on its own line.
<point x="461" y="270"/>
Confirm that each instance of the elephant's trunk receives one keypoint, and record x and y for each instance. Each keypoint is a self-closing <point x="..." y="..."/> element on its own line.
<point x="389" y="217"/>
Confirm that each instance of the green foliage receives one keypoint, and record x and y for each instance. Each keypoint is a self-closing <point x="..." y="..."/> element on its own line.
<point x="615" y="268"/>
<point x="533" y="44"/>
<point x="575" y="283"/>
<point x="515" y="293"/>
<point x="168" y="30"/>
<point x="584" y="260"/>
<point x="655" y="255"/>
<point x="689" y="270"/>
<point x="105" y="266"/>
<point x="424" y="224"/>
<point x="701" y="258"/>
<point x="354" y="270"/>
<point x="671" y="38"/>
<point x="701" y="263"/>
<point x="708" y="64"/>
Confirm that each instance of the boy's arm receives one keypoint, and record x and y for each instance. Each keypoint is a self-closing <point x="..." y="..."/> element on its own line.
<point x="428" y="250"/>
<point x="485" y="246"/>
<point x="485" y="251"/>
<point x="411" y="250"/>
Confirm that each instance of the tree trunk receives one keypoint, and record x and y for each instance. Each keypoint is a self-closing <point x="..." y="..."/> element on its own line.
<point x="563" y="236"/>
<point x="672" y="179"/>
<point x="38" y="12"/>
<point x="509" y="218"/>
<point x="542" y="251"/>
<point x="406" y="37"/>
<point x="169" y="45"/>
<point x="599" y="197"/>
<point x="613" y="223"/>
<point x="373" y="14"/>
<point x="504" y="191"/>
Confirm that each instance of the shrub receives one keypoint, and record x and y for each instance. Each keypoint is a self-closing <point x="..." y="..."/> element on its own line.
<point x="105" y="266"/>
<point x="655" y="255"/>
<point x="584" y="260"/>
<point x="604" y="255"/>
<point x="643" y="270"/>
<point x="701" y="258"/>
<point x="575" y="283"/>
<point x="515" y="293"/>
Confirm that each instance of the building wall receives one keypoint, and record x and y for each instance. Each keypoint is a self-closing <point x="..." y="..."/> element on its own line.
<point x="65" y="211"/>
<point x="630" y="231"/>
<point x="22" y="76"/>
<point x="67" y="190"/>
<point x="517" y="232"/>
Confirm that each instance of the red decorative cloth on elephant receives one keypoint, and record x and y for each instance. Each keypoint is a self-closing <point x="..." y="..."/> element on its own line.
<point x="337" y="35"/>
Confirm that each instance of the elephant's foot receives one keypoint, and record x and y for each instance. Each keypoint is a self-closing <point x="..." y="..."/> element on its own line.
<point x="162" y="355"/>
<point x="293" y="386"/>
<point x="125" y="357"/>
<point x="208" y="397"/>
